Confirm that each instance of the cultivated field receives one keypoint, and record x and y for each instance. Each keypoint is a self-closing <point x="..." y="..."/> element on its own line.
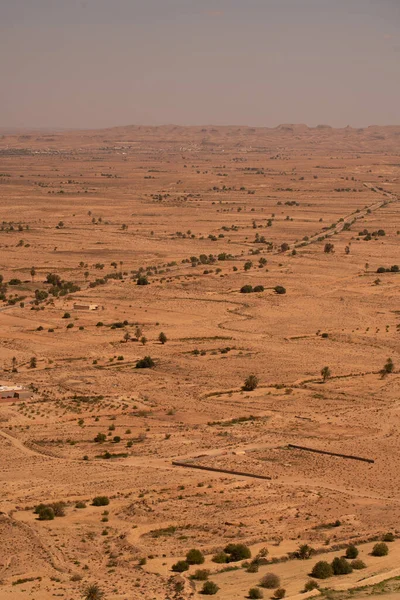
<point x="164" y="230"/>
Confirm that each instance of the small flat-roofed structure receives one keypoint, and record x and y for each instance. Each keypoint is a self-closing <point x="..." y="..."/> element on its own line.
<point x="14" y="392"/>
<point x="84" y="306"/>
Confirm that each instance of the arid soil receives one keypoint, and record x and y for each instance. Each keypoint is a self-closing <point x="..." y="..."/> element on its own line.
<point x="197" y="213"/>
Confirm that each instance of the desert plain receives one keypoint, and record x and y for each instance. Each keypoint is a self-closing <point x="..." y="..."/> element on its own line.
<point x="163" y="230"/>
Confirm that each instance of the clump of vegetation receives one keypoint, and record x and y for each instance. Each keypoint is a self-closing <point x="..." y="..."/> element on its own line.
<point x="200" y="575"/>
<point x="195" y="557"/>
<point x="310" y="585"/>
<point x="380" y="549"/>
<point x="180" y="566"/>
<point x="270" y="581"/>
<point x="145" y="363"/>
<point x="351" y="551"/>
<point x="279" y="289"/>
<point x="358" y="564"/>
<point x="237" y="552"/>
<point x="250" y="384"/>
<point x="280" y="593"/>
<point x="388" y="537"/>
<point x="255" y="593"/>
<point x="341" y="566"/>
<point x="209" y="588"/>
<point x="101" y="501"/>
<point x="322" y="570"/>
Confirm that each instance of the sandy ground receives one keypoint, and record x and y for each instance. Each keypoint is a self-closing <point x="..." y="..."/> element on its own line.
<point x="98" y="208"/>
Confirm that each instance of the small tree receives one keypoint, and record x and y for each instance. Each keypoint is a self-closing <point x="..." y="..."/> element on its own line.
<point x="33" y="273"/>
<point x="305" y="552"/>
<point x="33" y="363"/>
<point x="250" y="384"/>
<point x="325" y="373"/>
<point x="138" y="332"/>
<point x="14" y="364"/>
<point x="162" y="338"/>
<point x="93" y="592"/>
<point x="195" y="557"/>
<point x="388" y="367"/>
<point x="322" y="570"/>
<point x="127" y="336"/>
<point x="380" y="549"/>
<point x="143" y="340"/>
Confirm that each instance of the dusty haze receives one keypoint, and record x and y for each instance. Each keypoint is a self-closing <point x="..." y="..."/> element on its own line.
<point x="97" y="63"/>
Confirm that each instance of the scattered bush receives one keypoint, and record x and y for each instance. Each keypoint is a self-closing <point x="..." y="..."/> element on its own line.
<point x="341" y="566"/>
<point x="270" y="581"/>
<point x="279" y="289"/>
<point x="322" y="570"/>
<point x="180" y="566"/>
<point x="101" y="501"/>
<point x="246" y="289"/>
<point x="255" y="593"/>
<point x="250" y="384"/>
<point x="280" y="593"/>
<point x="46" y="513"/>
<point x="237" y="552"/>
<point x="358" y="564"/>
<point x="220" y="558"/>
<point x="195" y="557"/>
<point x="145" y="363"/>
<point x="351" y="551"/>
<point x="200" y="575"/>
<point x="209" y="588"/>
<point x="311" y="584"/>
<point x="380" y="549"/>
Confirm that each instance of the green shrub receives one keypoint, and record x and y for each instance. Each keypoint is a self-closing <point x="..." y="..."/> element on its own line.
<point x="100" y="501"/>
<point x="380" y="549"/>
<point x="200" y="575"/>
<point x="180" y="566"/>
<point x="209" y="588"/>
<point x="280" y="593"/>
<point x="246" y="289"/>
<point x="249" y="385"/>
<point x="220" y="558"/>
<point x="237" y="552"/>
<point x="351" y="551"/>
<point x="270" y="581"/>
<point x="255" y="593"/>
<point x="80" y="504"/>
<point x="358" y="564"/>
<point x="388" y="537"/>
<point x="195" y="557"/>
<point x="145" y="363"/>
<point x="46" y="513"/>
<point x="322" y="570"/>
<point x="310" y="585"/>
<point x="341" y="566"/>
<point x="258" y="288"/>
<point x="279" y="289"/>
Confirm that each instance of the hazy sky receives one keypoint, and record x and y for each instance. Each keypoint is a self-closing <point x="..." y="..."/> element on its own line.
<point x="99" y="63"/>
